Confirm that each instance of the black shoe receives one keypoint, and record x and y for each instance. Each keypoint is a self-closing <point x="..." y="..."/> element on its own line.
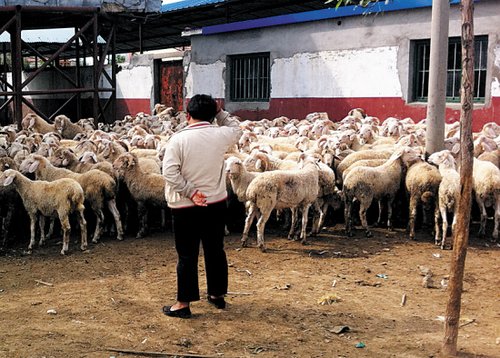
<point x="217" y="302"/>
<point x="181" y="313"/>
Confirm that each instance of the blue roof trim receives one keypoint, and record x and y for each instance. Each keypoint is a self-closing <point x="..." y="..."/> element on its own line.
<point x="185" y="4"/>
<point x="330" y="13"/>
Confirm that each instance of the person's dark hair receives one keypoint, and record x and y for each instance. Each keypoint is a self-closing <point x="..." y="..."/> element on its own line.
<point x="202" y="107"/>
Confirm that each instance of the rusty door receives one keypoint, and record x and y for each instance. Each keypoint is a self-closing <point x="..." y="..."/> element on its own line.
<point x="172" y="84"/>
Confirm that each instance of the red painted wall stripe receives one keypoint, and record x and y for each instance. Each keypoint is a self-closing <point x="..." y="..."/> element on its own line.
<point x="132" y="106"/>
<point x="337" y="109"/>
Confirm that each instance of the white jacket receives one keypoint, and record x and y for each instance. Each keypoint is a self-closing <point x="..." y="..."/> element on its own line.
<point x="194" y="160"/>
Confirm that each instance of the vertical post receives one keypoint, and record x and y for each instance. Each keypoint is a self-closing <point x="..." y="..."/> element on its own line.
<point x="461" y="232"/>
<point x="78" y="80"/>
<point x="113" y="72"/>
<point x="436" y="104"/>
<point x="141" y="51"/>
<point x="17" y="68"/>
<point x="95" y="66"/>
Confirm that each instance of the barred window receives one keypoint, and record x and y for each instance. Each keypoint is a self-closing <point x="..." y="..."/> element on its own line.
<point x="454" y="69"/>
<point x="249" y="77"/>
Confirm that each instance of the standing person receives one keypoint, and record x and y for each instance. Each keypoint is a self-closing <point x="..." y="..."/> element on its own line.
<point x="195" y="190"/>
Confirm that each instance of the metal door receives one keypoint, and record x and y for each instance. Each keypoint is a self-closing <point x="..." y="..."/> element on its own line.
<point x="172" y="84"/>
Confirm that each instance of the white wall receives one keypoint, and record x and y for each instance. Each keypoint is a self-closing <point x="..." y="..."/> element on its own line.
<point x="331" y="74"/>
<point x="207" y="79"/>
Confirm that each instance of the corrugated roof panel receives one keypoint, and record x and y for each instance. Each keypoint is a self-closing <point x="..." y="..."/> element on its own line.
<point x="185" y="4"/>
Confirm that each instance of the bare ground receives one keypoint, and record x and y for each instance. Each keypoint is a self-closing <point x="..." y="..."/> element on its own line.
<point x="111" y="297"/>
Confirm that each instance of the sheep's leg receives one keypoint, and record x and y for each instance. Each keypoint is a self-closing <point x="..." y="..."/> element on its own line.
<point x="33" y="220"/>
<point x="390" y="201"/>
<point x="484" y="216"/>
<point x="41" y="225"/>
<point x="317" y="218"/>
<point x="497" y="218"/>
<point x="291" y="233"/>
<point x="51" y="228"/>
<point x="303" y="235"/>
<point x="163" y="219"/>
<point x="261" y="225"/>
<point x="380" y="209"/>
<point x="66" y="228"/>
<point x="98" y="225"/>
<point x="116" y="215"/>
<point x="453" y="225"/>
<point x="444" y="227"/>
<point x="143" y="219"/>
<point x="363" y="207"/>
<point x="252" y="212"/>
<point x="83" y="229"/>
<point x="413" y="215"/>
<point x="436" y="224"/>
<point x="348" y="219"/>
<point x="322" y="216"/>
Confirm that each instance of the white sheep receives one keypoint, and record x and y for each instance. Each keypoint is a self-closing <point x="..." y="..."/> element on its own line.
<point x="66" y="128"/>
<point x="449" y="191"/>
<point x="99" y="188"/>
<point x="328" y="195"/>
<point x="422" y="185"/>
<point x="281" y="189"/>
<point x="144" y="187"/>
<point x="37" y="124"/>
<point x="486" y="184"/>
<point x="42" y="198"/>
<point x="259" y="161"/>
<point x="368" y="183"/>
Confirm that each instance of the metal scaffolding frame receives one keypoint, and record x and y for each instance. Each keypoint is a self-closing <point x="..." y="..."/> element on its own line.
<point x="89" y="24"/>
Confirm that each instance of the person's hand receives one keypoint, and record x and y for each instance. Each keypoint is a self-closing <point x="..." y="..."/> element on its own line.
<point x="199" y="198"/>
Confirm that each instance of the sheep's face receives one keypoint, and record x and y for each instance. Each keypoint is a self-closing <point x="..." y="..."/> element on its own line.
<point x="4" y="141"/>
<point x="443" y="157"/>
<point x="7" y="177"/>
<point x="255" y="162"/>
<point x="61" y="157"/>
<point x="233" y="167"/>
<point x="410" y="155"/>
<point x="124" y="162"/>
<point x="29" y="165"/>
<point x="357" y="113"/>
<point x="365" y="134"/>
<point x="7" y="163"/>
<point x="88" y="158"/>
<point x="44" y="150"/>
<point x="59" y="123"/>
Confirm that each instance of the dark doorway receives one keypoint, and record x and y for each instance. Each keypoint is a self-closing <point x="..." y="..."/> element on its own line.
<point x="171" y="84"/>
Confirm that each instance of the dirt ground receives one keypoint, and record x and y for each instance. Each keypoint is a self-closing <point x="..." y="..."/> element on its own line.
<point x="111" y="297"/>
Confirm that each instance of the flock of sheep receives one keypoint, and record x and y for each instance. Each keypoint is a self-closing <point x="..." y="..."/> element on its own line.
<point x="306" y="166"/>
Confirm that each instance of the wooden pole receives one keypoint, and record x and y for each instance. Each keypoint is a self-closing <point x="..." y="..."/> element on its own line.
<point x="461" y="231"/>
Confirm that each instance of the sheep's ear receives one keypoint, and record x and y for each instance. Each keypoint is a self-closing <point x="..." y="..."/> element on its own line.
<point x="490" y="132"/>
<point x="456" y="148"/>
<point x="259" y="164"/>
<point x="65" y="162"/>
<point x="32" y="122"/>
<point x="8" y="180"/>
<point x="33" y="167"/>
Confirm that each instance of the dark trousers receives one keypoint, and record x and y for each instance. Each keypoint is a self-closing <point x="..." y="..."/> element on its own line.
<point x="192" y="225"/>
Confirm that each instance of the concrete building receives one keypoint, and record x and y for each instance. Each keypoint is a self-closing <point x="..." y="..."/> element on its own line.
<point x="333" y="61"/>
